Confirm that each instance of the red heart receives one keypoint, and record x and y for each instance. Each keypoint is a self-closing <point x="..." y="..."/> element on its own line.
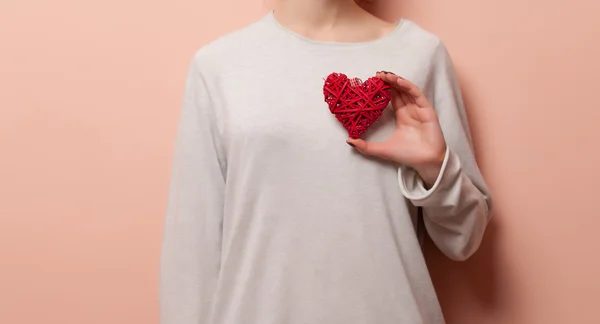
<point x="356" y="104"/>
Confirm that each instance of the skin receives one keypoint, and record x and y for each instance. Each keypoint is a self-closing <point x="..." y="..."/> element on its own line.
<point x="417" y="141"/>
<point x="331" y="20"/>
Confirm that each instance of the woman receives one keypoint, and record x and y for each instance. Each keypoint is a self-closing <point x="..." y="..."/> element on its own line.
<point x="273" y="219"/>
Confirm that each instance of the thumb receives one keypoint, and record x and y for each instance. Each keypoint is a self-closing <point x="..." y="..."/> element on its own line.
<point x="369" y="148"/>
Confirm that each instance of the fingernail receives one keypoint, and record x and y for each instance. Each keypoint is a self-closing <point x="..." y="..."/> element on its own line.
<point x="347" y="142"/>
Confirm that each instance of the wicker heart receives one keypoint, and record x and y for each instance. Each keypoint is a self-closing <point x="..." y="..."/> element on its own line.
<point x="356" y="104"/>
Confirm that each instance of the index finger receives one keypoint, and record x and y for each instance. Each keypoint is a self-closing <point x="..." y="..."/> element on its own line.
<point x="412" y="89"/>
<point x="405" y="86"/>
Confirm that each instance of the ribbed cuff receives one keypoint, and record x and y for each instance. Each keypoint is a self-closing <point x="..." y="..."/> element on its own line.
<point x="413" y="188"/>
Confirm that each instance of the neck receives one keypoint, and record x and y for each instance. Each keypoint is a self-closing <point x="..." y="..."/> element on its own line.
<point x="315" y="14"/>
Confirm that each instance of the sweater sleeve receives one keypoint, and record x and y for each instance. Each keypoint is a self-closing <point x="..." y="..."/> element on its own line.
<point x="456" y="209"/>
<point x="192" y="236"/>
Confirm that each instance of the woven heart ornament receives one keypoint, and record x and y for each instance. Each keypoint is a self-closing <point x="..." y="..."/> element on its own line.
<point x="356" y="104"/>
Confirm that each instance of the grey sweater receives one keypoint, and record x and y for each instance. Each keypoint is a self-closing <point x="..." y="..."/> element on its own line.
<point x="273" y="219"/>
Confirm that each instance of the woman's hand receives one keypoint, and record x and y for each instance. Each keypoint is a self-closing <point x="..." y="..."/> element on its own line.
<point x="418" y="141"/>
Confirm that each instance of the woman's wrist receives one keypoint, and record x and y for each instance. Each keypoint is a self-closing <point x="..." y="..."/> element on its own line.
<point x="430" y="170"/>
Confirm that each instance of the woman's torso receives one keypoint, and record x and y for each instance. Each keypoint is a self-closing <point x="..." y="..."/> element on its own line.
<point x="313" y="232"/>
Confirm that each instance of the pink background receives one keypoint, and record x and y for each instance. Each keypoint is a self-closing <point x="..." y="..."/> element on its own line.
<point x="89" y="98"/>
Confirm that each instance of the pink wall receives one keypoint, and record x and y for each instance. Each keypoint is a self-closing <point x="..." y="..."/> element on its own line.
<point x="89" y="97"/>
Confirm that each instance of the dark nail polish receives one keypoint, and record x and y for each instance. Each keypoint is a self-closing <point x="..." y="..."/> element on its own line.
<point x="350" y="144"/>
